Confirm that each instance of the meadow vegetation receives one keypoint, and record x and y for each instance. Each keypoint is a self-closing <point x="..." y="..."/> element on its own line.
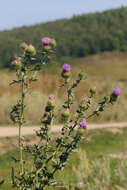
<point x="104" y="71"/>
<point x="92" y="167"/>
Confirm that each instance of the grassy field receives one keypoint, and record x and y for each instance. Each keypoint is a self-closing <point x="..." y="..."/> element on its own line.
<point x="105" y="71"/>
<point x="103" y="150"/>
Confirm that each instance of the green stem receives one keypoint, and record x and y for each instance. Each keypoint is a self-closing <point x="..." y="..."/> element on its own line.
<point x="21" y="123"/>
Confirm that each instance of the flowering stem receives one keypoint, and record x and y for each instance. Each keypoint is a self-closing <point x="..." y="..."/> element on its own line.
<point x="21" y="122"/>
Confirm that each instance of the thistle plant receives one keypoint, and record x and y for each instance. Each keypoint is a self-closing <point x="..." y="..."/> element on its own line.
<point x="51" y="154"/>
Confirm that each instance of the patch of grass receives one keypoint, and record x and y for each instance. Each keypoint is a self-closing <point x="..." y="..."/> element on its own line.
<point x="105" y="142"/>
<point x="101" y="143"/>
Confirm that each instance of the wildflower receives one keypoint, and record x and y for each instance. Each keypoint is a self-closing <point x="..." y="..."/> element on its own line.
<point x="84" y="102"/>
<point x="83" y="124"/>
<point x="66" y="71"/>
<point x="46" y="41"/>
<point x="51" y="97"/>
<point x="116" y="92"/>
<point x="66" y="67"/>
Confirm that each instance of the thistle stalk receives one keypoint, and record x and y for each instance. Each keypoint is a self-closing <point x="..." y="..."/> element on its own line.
<point x="21" y="122"/>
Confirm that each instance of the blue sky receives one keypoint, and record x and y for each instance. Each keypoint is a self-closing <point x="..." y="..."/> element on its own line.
<point x="15" y="13"/>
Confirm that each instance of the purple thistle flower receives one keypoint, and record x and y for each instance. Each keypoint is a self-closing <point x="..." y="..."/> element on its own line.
<point x="83" y="124"/>
<point x="46" y="41"/>
<point x="51" y="97"/>
<point x="116" y="92"/>
<point x="66" y="67"/>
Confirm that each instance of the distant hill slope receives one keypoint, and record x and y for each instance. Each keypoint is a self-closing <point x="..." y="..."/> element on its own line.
<point x="78" y="37"/>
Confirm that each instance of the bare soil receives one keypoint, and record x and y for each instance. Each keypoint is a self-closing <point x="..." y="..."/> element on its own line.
<point x="13" y="131"/>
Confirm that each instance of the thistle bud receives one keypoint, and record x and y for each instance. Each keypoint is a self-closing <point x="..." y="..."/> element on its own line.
<point x="51" y="103"/>
<point x="93" y="91"/>
<point x="16" y="62"/>
<point x="65" y="115"/>
<point x="24" y="46"/>
<point x="81" y="75"/>
<point x="31" y="50"/>
<point x="47" y="48"/>
<point x="53" y="43"/>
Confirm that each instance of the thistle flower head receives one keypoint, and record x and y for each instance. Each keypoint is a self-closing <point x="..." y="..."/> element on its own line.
<point x="16" y="62"/>
<point x="51" y="97"/>
<point x="116" y="92"/>
<point x="46" y="41"/>
<point x="83" y="124"/>
<point x="66" y="67"/>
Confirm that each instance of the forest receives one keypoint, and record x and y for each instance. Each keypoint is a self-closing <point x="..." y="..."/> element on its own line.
<point x="79" y="36"/>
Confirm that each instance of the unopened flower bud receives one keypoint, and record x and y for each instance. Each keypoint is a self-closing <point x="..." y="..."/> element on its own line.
<point x="51" y="103"/>
<point x="47" y="48"/>
<point x="16" y="62"/>
<point x="31" y="50"/>
<point x="70" y="98"/>
<point x="81" y="75"/>
<point x="65" y="114"/>
<point x="93" y="91"/>
<point x="24" y="46"/>
<point x="53" y="43"/>
<point x="66" y="74"/>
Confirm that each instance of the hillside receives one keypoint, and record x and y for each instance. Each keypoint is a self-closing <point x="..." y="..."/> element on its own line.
<point x="77" y="37"/>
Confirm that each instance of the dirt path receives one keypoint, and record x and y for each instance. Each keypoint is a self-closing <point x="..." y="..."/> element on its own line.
<point x="13" y="131"/>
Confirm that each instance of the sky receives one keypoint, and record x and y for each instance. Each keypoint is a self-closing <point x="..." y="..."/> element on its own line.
<point x="16" y="13"/>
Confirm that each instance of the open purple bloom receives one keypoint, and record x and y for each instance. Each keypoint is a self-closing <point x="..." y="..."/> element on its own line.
<point x="46" y="41"/>
<point x="116" y="91"/>
<point x="52" y="98"/>
<point x="66" y="67"/>
<point x="83" y="124"/>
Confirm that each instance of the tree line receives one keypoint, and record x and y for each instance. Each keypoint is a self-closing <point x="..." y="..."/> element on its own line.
<point x="79" y="36"/>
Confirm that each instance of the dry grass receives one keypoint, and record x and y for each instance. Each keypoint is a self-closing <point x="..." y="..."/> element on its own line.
<point x="104" y="71"/>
